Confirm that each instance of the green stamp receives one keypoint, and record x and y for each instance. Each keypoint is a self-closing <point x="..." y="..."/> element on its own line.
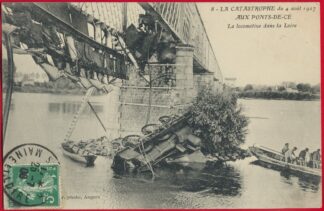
<point x="31" y="177"/>
<point x="34" y="184"/>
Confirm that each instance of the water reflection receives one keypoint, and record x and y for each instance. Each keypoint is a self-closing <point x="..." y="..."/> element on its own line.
<point x="309" y="184"/>
<point x="214" y="179"/>
<point x="12" y="104"/>
<point x="206" y="178"/>
<point x="306" y="183"/>
<point x="72" y="108"/>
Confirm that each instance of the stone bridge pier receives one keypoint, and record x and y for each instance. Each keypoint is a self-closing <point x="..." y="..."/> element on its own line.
<point x="163" y="89"/>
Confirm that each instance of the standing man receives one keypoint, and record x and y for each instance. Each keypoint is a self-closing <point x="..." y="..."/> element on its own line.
<point x="316" y="157"/>
<point x="285" y="148"/>
<point x="290" y="156"/>
<point x="307" y="158"/>
<point x="302" y="156"/>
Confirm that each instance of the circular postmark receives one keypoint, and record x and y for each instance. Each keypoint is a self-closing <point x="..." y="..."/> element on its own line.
<point x="31" y="176"/>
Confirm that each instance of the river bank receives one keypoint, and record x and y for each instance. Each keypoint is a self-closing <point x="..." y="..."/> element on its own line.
<point x="278" y="95"/>
<point x="45" y="89"/>
<point x="266" y="95"/>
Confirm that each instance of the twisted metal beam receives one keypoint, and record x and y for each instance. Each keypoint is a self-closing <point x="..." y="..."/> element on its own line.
<point x="10" y="82"/>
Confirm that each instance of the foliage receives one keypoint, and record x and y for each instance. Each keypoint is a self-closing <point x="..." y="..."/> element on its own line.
<point x="248" y="87"/>
<point x="316" y="88"/>
<point x="289" y="84"/>
<point x="304" y="87"/>
<point x="281" y="88"/>
<point x="218" y="120"/>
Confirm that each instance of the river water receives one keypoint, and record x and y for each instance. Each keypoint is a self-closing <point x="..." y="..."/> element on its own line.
<point x="45" y="118"/>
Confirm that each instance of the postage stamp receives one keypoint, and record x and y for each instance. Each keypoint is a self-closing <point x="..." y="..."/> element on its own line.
<point x="31" y="177"/>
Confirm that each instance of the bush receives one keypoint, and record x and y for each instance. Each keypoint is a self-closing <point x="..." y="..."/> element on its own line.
<point x="218" y="120"/>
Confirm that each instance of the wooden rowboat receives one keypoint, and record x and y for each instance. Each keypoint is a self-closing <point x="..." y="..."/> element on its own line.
<point x="276" y="159"/>
<point x="78" y="155"/>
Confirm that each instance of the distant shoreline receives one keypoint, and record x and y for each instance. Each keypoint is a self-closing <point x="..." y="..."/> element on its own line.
<point x="262" y="95"/>
<point x="277" y="99"/>
<point x="277" y="95"/>
<point x="45" y="90"/>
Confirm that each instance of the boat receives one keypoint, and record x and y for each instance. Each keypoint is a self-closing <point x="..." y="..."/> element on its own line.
<point x="276" y="159"/>
<point x="77" y="154"/>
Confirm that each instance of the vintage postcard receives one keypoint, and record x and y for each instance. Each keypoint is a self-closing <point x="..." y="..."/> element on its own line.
<point x="112" y="105"/>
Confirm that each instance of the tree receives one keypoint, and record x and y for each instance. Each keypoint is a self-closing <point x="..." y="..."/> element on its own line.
<point x="316" y="88"/>
<point x="248" y="87"/>
<point x="281" y="88"/>
<point x="301" y="87"/>
<point x="218" y="120"/>
<point x="291" y="85"/>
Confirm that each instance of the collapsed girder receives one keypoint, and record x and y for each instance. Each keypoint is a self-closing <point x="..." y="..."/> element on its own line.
<point x="56" y="37"/>
<point x="65" y="40"/>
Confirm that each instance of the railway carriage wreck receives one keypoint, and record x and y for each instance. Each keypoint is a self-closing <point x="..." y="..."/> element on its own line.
<point x="171" y="141"/>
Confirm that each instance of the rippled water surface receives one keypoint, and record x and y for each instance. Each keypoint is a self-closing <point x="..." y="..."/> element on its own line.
<point x="44" y="119"/>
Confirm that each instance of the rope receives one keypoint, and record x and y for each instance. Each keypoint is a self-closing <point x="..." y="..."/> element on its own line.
<point x="95" y="113"/>
<point x="77" y="114"/>
<point x="148" y="116"/>
<point x="142" y="151"/>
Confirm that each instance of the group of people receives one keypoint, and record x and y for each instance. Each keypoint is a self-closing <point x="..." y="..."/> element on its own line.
<point x="304" y="158"/>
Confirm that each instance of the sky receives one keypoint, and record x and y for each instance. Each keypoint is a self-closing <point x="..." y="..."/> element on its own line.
<point x="265" y="56"/>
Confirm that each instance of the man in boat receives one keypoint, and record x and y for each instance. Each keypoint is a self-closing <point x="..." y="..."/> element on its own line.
<point x="290" y="156"/>
<point x="285" y="148"/>
<point x="302" y="157"/>
<point x="316" y="158"/>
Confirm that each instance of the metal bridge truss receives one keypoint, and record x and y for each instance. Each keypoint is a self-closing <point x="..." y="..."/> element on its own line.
<point x="83" y="38"/>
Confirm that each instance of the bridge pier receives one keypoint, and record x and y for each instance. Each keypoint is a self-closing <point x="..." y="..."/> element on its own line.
<point x="172" y="90"/>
